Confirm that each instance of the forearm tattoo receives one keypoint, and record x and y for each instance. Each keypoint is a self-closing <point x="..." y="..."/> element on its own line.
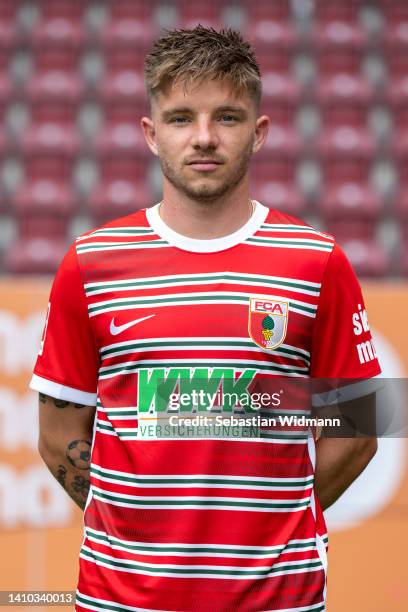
<point x="81" y="485"/>
<point x="61" y="475"/>
<point x="79" y="454"/>
<point x="58" y="403"/>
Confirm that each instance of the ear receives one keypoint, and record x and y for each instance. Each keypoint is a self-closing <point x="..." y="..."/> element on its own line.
<point x="261" y="132"/>
<point x="149" y="132"/>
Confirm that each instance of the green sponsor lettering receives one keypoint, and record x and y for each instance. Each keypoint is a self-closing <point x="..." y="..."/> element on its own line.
<point x="155" y="388"/>
<point x="236" y="390"/>
<point x="201" y="388"/>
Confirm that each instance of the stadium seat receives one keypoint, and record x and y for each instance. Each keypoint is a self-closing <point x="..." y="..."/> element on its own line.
<point x="337" y="10"/>
<point x="355" y="204"/>
<point x="121" y="140"/>
<point x="122" y="59"/>
<point x="338" y="46"/>
<point x="42" y="209"/>
<point x="275" y="44"/>
<point x="129" y="169"/>
<point x="10" y="37"/>
<point x="192" y="12"/>
<point x="395" y="41"/>
<point x="9" y="33"/>
<point x="44" y="198"/>
<point x="346" y="153"/>
<point x="37" y="255"/>
<point x="281" y="141"/>
<point x="397" y="34"/>
<point x="122" y="154"/>
<point x="276" y="161"/>
<point x="128" y="33"/>
<point x="125" y="43"/>
<point x="123" y="97"/>
<point x="278" y="10"/>
<point x="57" y="43"/>
<point x="54" y="96"/>
<point x="72" y="10"/>
<point x="59" y="32"/>
<point x="272" y="34"/>
<point x="118" y="198"/>
<point x="281" y="95"/>
<point x="49" y="150"/>
<point x="132" y="9"/>
<point x="280" y="196"/>
<point x="367" y="257"/>
<point x="50" y="137"/>
<point x="344" y="99"/>
<point x="42" y="226"/>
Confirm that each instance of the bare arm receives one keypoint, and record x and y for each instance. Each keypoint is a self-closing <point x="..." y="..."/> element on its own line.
<point x="65" y="444"/>
<point x="339" y="461"/>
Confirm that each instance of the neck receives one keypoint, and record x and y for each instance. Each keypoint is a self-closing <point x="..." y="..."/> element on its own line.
<point x="206" y="220"/>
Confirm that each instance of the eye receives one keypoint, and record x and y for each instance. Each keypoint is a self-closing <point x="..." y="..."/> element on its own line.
<point x="229" y="118"/>
<point x="178" y="119"/>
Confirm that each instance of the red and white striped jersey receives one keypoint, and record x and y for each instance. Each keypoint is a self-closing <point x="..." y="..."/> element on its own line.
<point x="185" y="524"/>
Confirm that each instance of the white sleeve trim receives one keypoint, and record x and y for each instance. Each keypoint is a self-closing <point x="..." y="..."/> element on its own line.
<point x="69" y="394"/>
<point x="348" y="392"/>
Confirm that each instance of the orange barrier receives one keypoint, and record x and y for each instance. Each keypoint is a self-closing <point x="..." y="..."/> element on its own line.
<point x="367" y="562"/>
<point x="41" y="529"/>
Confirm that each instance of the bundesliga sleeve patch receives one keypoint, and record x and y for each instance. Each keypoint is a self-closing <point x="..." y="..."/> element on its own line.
<point x="268" y="322"/>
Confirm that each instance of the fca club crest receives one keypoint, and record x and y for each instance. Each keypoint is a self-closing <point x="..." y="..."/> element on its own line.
<point x="268" y="322"/>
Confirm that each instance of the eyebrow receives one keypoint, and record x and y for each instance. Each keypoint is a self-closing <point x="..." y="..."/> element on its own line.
<point x="185" y="109"/>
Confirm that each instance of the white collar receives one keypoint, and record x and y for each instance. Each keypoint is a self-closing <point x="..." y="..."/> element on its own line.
<point x="198" y="245"/>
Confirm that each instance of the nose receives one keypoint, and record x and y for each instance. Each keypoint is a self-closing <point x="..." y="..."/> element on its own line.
<point x="205" y="134"/>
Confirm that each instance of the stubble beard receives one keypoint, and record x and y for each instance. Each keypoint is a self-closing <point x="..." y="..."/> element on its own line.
<point x="207" y="191"/>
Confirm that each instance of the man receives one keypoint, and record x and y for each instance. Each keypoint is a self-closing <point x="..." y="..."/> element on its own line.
<point x="205" y="285"/>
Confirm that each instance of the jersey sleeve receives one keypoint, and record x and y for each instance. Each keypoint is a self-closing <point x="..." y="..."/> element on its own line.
<point x="342" y="346"/>
<point x="68" y="360"/>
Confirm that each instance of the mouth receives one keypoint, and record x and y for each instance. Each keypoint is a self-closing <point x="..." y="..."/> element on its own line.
<point x="204" y="165"/>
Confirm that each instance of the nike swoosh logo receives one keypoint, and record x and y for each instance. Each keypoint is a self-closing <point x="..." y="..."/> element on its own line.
<point x="118" y="329"/>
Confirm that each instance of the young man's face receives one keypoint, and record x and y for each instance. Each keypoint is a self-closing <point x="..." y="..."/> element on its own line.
<point x="204" y="137"/>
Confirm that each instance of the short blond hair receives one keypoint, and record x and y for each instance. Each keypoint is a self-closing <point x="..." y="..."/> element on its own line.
<point x="191" y="56"/>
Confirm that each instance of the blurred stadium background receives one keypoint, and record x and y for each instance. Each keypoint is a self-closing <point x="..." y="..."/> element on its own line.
<point x="335" y="76"/>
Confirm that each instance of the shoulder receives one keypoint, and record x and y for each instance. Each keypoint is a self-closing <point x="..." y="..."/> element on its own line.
<point x="292" y="233"/>
<point x="117" y="235"/>
<point x="102" y="239"/>
<point x="280" y="220"/>
<point x="129" y="222"/>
